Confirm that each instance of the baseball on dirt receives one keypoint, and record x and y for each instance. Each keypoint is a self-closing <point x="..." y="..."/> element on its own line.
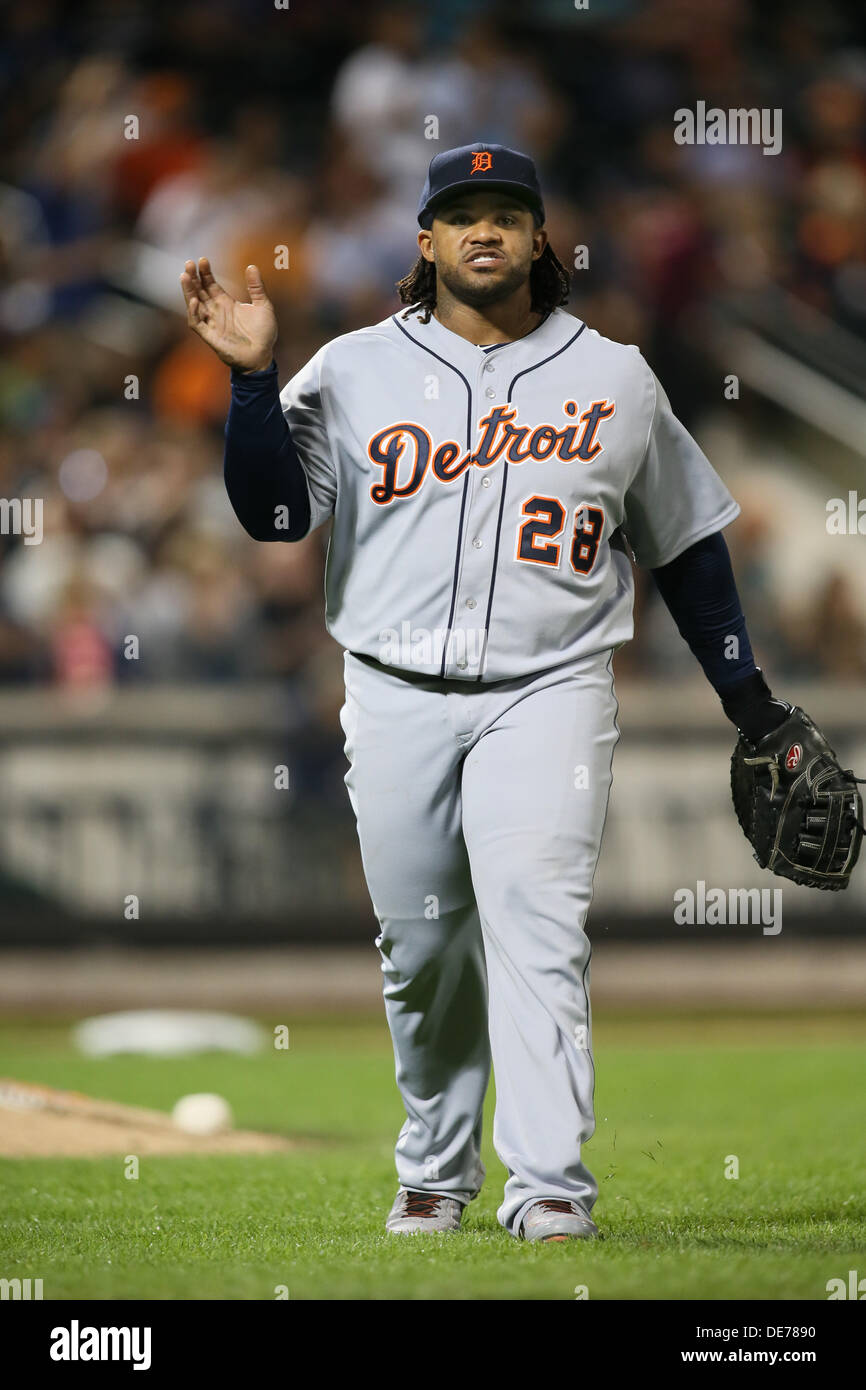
<point x="202" y="1113"/>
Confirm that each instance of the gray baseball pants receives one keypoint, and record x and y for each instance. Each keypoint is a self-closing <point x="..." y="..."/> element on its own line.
<point x="480" y="811"/>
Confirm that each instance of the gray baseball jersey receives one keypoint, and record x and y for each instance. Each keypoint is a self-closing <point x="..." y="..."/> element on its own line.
<point x="480" y="495"/>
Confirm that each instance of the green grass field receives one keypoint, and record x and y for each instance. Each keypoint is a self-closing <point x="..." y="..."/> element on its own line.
<point x="674" y="1098"/>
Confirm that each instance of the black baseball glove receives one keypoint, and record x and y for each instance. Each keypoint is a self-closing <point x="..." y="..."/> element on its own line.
<point x="801" y="813"/>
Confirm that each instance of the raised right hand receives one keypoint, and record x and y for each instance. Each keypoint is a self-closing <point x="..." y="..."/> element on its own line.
<point x="241" y="335"/>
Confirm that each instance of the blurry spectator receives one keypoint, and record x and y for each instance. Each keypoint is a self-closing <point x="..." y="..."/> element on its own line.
<point x="500" y="94"/>
<point x="357" y="245"/>
<point x="831" y="637"/>
<point x="80" y="650"/>
<point x="379" y="97"/>
<point x="65" y="172"/>
<point x="167" y="144"/>
<point x="831" y="228"/>
<point x="287" y="581"/>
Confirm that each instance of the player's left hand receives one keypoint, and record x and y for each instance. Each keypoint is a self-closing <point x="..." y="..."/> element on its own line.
<point x="801" y="812"/>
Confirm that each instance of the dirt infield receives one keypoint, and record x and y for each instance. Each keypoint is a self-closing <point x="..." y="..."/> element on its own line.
<point x="38" y="1122"/>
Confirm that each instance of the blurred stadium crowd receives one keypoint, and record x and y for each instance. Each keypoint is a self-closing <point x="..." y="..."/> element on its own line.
<point x="307" y="128"/>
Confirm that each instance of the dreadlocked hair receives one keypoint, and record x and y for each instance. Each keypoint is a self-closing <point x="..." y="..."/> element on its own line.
<point x="549" y="285"/>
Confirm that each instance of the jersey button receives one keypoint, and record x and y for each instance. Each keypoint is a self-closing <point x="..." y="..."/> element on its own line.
<point x="478" y="542"/>
<point x="462" y="664"/>
<point x="490" y="391"/>
<point x="489" y="367"/>
<point x="485" y="482"/>
<point x="470" y="603"/>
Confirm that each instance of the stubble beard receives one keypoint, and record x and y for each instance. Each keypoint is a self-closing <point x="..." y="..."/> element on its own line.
<point x="483" y="290"/>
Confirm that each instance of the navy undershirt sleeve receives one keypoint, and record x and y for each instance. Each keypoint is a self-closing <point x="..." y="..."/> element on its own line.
<point x="700" y="592"/>
<point x="261" y="467"/>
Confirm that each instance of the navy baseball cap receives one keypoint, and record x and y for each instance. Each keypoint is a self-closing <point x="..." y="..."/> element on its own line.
<point x="480" y="166"/>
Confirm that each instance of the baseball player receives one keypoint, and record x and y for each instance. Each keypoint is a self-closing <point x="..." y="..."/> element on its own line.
<point x="491" y="465"/>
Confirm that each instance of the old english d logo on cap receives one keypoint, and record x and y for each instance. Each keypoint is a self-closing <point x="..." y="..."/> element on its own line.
<point x="480" y="166"/>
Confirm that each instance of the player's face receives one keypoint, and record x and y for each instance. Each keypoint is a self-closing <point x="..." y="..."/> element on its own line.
<point x="483" y="246"/>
